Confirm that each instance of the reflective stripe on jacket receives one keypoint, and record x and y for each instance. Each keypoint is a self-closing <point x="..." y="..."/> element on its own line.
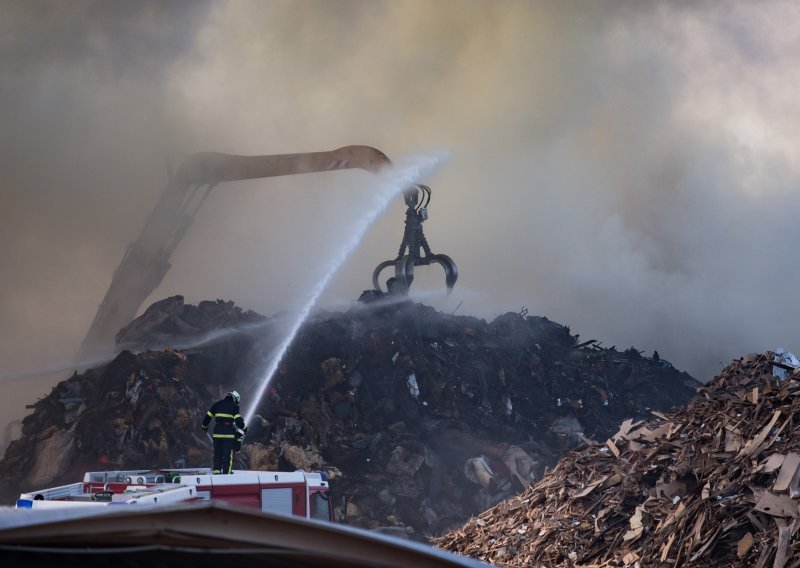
<point x="226" y="417"/>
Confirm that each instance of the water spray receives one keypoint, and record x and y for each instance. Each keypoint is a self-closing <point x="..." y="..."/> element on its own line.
<point x="391" y="182"/>
<point x="72" y="366"/>
<point x="190" y="343"/>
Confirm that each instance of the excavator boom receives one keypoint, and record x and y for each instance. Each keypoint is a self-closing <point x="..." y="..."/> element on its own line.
<point x="213" y="167"/>
<point x="146" y="260"/>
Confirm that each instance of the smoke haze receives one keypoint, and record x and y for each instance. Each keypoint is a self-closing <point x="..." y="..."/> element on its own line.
<point x="627" y="169"/>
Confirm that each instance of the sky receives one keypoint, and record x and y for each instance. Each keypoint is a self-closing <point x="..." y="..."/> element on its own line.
<point x="627" y="169"/>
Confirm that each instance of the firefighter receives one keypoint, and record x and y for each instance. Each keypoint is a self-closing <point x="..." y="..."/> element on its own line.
<point x="228" y="428"/>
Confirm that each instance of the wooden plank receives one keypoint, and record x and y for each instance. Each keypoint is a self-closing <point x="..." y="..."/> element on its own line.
<point x="706" y="546"/>
<point x="624" y="428"/>
<point x="782" y="548"/>
<point x="666" y="547"/>
<point x="613" y="447"/>
<point x="754" y="446"/>
<point x="733" y="441"/>
<point x="777" y="505"/>
<point x="636" y="525"/>
<point x="766" y="552"/>
<point x="589" y="488"/>
<point x="652" y="435"/>
<point x="788" y="472"/>
<point x="630" y="558"/>
<point x="773" y="463"/>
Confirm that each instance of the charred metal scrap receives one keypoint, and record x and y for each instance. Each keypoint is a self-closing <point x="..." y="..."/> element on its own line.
<point x="421" y="419"/>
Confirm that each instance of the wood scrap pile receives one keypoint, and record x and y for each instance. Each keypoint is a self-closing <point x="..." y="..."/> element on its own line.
<point x="716" y="483"/>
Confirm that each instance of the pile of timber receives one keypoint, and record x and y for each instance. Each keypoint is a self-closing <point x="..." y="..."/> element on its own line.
<point x="716" y="483"/>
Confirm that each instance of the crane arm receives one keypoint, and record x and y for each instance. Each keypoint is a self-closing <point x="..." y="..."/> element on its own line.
<point x="213" y="167"/>
<point x="146" y="260"/>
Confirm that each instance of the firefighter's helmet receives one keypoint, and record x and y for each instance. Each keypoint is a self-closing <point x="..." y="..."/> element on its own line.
<point x="235" y="396"/>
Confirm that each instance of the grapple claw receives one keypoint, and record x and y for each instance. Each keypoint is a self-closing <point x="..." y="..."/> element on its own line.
<point x="414" y="241"/>
<point x="404" y="271"/>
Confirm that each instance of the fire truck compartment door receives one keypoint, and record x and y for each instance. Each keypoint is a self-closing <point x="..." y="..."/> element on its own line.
<point x="278" y="500"/>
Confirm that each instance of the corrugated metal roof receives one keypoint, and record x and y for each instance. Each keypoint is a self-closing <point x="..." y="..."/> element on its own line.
<point x="203" y="533"/>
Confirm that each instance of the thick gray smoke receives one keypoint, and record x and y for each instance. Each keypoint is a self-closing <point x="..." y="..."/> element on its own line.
<point x="627" y="169"/>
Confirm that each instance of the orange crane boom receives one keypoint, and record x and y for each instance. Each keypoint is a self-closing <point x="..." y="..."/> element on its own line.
<point x="146" y="260"/>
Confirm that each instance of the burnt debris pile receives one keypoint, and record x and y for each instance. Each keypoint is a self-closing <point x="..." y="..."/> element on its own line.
<point x="173" y="323"/>
<point x="421" y="419"/>
<point x="714" y="484"/>
<point x="140" y="409"/>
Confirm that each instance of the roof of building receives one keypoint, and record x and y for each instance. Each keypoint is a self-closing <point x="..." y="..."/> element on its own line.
<point x="203" y="533"/>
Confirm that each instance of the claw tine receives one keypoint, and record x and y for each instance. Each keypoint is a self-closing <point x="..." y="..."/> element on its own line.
<point x="377" y="272"/>
<point x="450" y="270"/>
<point x="404" y="272"/>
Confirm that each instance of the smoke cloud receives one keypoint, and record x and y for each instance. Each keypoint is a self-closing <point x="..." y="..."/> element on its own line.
<point x="626" y="169"/>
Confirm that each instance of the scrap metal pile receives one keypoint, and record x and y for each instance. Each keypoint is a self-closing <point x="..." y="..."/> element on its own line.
<point x="714" y="484"/>
<point x="420" y="418"/>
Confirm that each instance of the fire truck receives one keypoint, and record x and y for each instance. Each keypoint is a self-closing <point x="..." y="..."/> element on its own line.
<point x="298" y="493"/>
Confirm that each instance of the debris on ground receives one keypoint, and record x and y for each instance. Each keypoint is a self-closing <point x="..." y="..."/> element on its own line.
<point x="716" y="483"/>
<point x="420" y="419"/>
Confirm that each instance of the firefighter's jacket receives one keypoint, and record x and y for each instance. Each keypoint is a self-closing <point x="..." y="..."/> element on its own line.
<point x="226" y="417"/>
